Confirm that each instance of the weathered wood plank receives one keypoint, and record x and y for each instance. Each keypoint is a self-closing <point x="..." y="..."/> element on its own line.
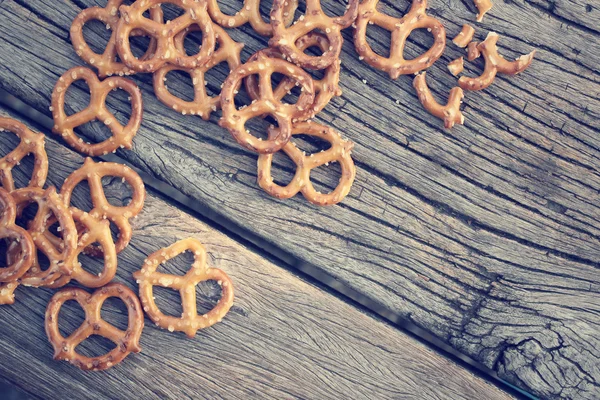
<point x="282" y="338"/>
<point x="486" y="235"/>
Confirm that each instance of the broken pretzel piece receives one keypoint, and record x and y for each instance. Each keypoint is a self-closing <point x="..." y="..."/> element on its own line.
<point x="483" y="6"/>
<point x="250" y="13"/>
<point x="465" y="36"/>
<point x="456" y="66"/>
<point x="473" y="52"/>
<point x="450" y="113"/>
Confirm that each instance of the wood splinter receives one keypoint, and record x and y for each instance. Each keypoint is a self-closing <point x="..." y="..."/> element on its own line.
<point x="449" y="113"/>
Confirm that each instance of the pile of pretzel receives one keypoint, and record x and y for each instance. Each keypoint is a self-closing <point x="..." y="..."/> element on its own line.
<point x="62" y="233"/>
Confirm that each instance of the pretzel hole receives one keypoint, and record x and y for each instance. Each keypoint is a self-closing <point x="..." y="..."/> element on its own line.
<point x="168" y="301"/>
<point x="70" y="317"/>
<point x="192" y="42"/>
<point x="96" y="35"/>
<point x="120" y="106"/>
<point x="4" y="245"/>
<point x="81" y="196"/>
<point x="314" y="50"/>
<point x="139" y="46"/>
<point x="379" y="39"/>
<point x="215" y="78"/>
<point x="259" y="126"/>
<point x="23" y="172"/>
<point x="77" y="97"/>
<point x="179" y="84"/>
<point x="334" y="9"/>
<point x="115" y="312"/>
<point x="90" y="264"/>
<point x="26" y="212"/>
<point x="118" y="193"/>
<point x="326" y="177"/>
<point x="208" y="294"/>
<point x="283" y="169"/>
<point x="417" y="43"/>
<point x="231" y="7"/>
<point x="310" y="144"/>
<point x="95" y="346"/>
<point x="292" y="95"/>
<point x="280" y="82"/>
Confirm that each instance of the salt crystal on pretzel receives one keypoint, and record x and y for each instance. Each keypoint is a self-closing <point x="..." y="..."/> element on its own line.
<point x="494" y="63"/>
<point x="250" y="13"/>
<point x="190" y="322"/>
<point x="449" y="113"/>
<point x="126" y="342"/>
<point x="340" y="151"/>
<point x="465" y="36"/>
<point x="456" y="66"/>
<point x="122" y="136"/>
<point x="416" y="18"/>
<point x="30" y="143"/>
<point x="483" y="6"/>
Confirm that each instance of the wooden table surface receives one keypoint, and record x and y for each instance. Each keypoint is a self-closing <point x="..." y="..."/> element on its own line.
<point x="485" y="236"/>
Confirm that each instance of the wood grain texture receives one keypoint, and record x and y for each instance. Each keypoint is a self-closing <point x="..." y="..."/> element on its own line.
<point x="486" y="235"/>
<point x="283" y="338"/>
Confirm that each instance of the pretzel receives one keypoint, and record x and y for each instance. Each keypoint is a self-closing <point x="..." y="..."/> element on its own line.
<point x="106" y="63"/>
<point x="190" y="322"/>
<point x="472" y="51"/>
<point x="122" y="136"/>
<point x="494" y="63"/>
<point x="450" y="113"/>
<point x="235" y="120"/>
<point x="339" y="151"/>
<point x="250" y="12"/>
<point x="465" y="36"/>
<point x="202" y="105"/>
<point x="483" y="6"/>
<point x="325" y="88"/>
<point x="31" y="143"/>
<point x="284" y="38"/>
<point x="9" y="230"/>
<point x="166" y="52"/>
<point x="102" y="209"/>
<point x="126" y="341"/>
<point x="456" y="66"/>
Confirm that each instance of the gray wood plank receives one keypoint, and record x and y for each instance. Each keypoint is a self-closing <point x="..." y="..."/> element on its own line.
<point x="486" y="235"/>
<point x="283" y="338"/>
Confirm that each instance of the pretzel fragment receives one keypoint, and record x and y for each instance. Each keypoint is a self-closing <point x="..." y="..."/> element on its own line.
<point x="494" y="63"/>
<point x="449" y="113"/>
<point x="340" y="151"/>
<point x="325" y="88"/>
<point x="132" y="17"/>
<point x="473" y="52"/>
<point x="106" y="63"/>
<point x="122" y="136"/>
<point x="93" y="173"/>
<point x="483" y="6"/>
<point x="203" y="104"/>
<point x="250" y="13"/>
<point x="456" y="66"/>
<point x="285" y="38"/>
<point x="31" y="143"/>
<point x="235" y="120"/>
<point x="416" y="18"/>
<point x="126" y="341"/>
<point x="465" y="36"/>
<point x="190" y="322"/>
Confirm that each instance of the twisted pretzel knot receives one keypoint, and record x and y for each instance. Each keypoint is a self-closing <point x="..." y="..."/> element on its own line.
<point x="235" y="120"/>
<point x="450" y="113"/>
<point x="250" y="12"/>
<point x="339" y="151"/>
<point x="494" y="63"/>
<point x="126" y="341"/>
<point x="122" y="136"/>
<point x="285" y="38"/>
<point x="325" y="88"/>
<point x="202" y="105"/>
<point x="166" y="52"/>
<point x="190" y="322"/>
<point x="31" y="143"/>
<point x="416" y="18"/>
<point x="106" y="62"/>
<point x="93" y="173"/>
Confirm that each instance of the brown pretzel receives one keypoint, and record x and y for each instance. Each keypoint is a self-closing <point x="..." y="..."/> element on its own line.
<point x="250" y="12"/>
<point x="340" y="151"/>
<point x="450" y="113"/>
<point x="93" y="173"/>
<point x="483" y="6"/>
<point x="166" y="52"/>
<point x="285" y="38"/>
<point x="325" y="88"/>
<point x="416" y="18"/>
<point x="235" y="120"/>
<point x="122" y="136"/>
<point x="31" y="143"/>
<point x="126" y="341"/>
<point x="465" y="36"/>
<point x="456" y="66"/>
<point x="106" y="62"/>
<point x="190" y="322"/>
<point x="494" y="63"/>
<point x="13" y="233"/>
<point x="202" y="105"/>
<point x="472" y="51"/>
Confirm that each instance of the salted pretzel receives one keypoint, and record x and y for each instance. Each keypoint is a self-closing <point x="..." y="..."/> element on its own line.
<point x="250" y="13"/>
<point x="465" y="36"/>
<point x="93" y="173"/>
<point x="456" y="66"/>
<point x="494" y="63"/>
<point x="483" y="6"/>
<point x="126" y="342"/>
<point x="449" y="113"/>
<point x="122" y="136"/>
<point x="325" y="88"/>
<point x="472" y="51"/>
<point x="416" y="18"/>
<point x="31" y="143"/>
<point x="106" y="62"/>
<point x="235" y="119"/>
<point x="203" y="104"/>
<point x="13" y="233"/>
<point x="284" y="38"/>
<point x="190" y="322"/>
<point x="340" y="151"/>
<point x="132" y="18"/>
